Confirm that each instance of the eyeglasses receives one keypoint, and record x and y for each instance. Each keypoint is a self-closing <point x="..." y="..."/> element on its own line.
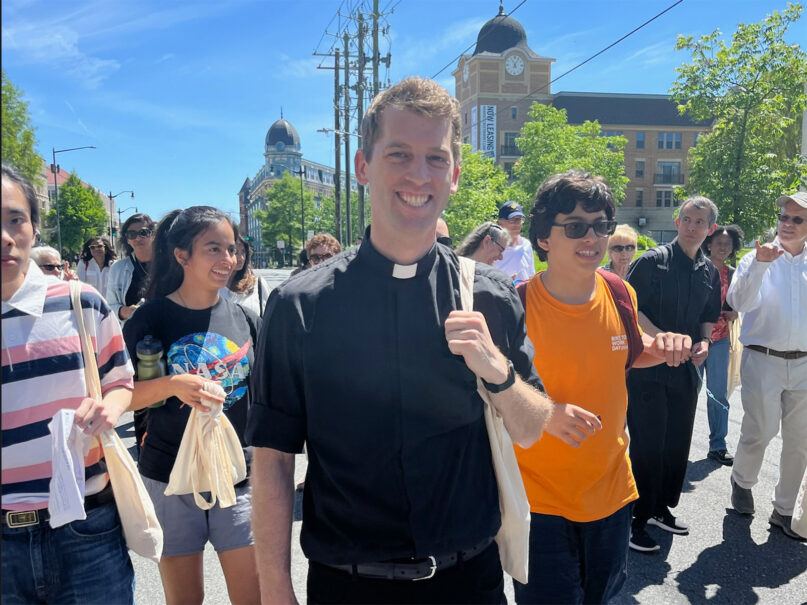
<point x="100" y="246"/>
<point x="49" y="267"/>
<point x="620" y="248"/>
<point x="132" y="234"/>
<point x="515" y="219"/>
<point x="318" y="258"/>
<point x="578" y="229"/>
<point x="786" y="218"/>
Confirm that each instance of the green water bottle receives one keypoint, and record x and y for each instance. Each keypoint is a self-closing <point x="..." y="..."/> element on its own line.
<point x="150" y="362"/>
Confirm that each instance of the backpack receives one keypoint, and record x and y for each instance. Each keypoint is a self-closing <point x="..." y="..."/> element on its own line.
<point x="624" y="307"/>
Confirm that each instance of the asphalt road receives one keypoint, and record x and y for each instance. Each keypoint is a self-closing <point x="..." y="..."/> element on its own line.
<point x="727" y="558"/>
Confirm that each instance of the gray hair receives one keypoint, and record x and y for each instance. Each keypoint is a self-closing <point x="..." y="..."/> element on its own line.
<point x="474" y="239"/>
<point x="39" y="251"/>
<point x="701" y="203"/>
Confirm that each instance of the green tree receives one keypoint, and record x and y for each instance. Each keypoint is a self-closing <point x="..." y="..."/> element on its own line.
<point x="552" y="145"/>
<point x="18" y="134"/>
<point x="482" y="189"/>
<point x="82" y="214"/>
<point x="753" y="90"/>
<point x="282" y="218"/>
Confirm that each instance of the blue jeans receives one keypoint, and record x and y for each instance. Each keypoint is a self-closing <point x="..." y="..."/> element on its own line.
<point x="717" y="403"/>
<point x="574" y="562"/>
<point x="82" y="562"/>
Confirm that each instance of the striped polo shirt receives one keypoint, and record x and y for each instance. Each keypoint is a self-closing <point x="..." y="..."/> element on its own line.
<point x="43" y="372"/>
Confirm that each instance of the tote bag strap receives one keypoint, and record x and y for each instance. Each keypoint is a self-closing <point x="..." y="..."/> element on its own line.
<point x="87" y="351"/>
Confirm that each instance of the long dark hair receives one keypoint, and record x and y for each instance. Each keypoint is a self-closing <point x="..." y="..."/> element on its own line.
<point x="135" y="218"/>
<point x="178" y="229"/>
<point x="243" y="280"/>
<point x="109" y="252"/>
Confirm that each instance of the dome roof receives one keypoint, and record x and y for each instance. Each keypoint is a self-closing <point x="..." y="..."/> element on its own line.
<point x="282" y="132"/>
<point x="499" y="34"/>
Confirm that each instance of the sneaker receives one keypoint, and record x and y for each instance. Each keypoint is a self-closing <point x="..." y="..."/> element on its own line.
<point x="641" y="541"/>
<point x="667" y="522"/>
<point x="784" y="522"/>
<point x="721" y="457"/>
<point x="742" y="500"/>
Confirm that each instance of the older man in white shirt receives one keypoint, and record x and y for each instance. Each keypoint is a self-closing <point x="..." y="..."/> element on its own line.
<point x="770" y="289"/>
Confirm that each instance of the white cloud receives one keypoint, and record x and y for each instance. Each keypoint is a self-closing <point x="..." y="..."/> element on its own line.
<point x="303" y="68"/>
<point x="165" y="57"/>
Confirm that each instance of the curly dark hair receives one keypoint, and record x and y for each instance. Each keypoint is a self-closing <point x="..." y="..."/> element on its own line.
<point x="109" y="252"/>
<point x="733" y="231"/>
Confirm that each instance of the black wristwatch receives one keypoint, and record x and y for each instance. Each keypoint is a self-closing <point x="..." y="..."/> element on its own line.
<point x="508" y="382"/>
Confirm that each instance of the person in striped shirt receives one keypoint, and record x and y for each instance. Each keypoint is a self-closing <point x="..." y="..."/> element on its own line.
<point x="85" y="561"/>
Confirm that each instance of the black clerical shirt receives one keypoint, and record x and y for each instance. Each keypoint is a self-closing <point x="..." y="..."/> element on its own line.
<point x="676" y="293"/>
<point x="353" y="361"/>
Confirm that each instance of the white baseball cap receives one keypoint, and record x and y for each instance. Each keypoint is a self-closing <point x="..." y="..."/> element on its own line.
<point x="800" y="197"/>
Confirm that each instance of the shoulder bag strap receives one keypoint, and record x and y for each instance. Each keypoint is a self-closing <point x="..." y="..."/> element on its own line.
<point x="624" y="306"/>
<point x="87" y="351"/>
<point x="260" y="296"/>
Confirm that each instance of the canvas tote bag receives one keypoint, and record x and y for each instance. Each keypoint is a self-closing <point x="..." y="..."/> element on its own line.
<point x="735" y="356"/>
<point x="140" y="526"/>
<point x="210" y="458"/>
<point x="513" y="538"/>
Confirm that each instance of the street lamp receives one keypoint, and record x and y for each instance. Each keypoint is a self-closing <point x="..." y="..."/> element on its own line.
<point x="54" y="169"/>
<point x="125" y="210"/>
<point x="301" y="172"/>
<point x="111" y="226"/>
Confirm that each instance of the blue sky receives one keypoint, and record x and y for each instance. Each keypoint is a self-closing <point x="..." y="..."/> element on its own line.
<point x="178" y="96"/>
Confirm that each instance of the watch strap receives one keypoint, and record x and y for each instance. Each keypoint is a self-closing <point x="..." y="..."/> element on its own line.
<point x="508" y="382"/>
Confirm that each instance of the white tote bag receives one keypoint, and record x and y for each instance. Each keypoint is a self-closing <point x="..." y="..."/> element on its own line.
<point x="140" y="525"/>
<point x="513" y="538"/>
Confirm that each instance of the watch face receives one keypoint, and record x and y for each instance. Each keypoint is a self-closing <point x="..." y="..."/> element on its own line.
<point x="280" y="146"/>
<point x="466" y="71"/>
<point x="514" y="65"/>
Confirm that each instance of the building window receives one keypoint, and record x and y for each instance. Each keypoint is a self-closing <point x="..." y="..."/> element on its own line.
<point x="639" y="169"/>
<point x="639" y="197"/>
<point x="510" y="147"/>
<point x="669" y="140"/>
<point x="695" y="138"/>
<point x="664" y="198"/>
<point x="465" y="140"/>
<point x="514" y="112"/>
<point x="669" y="173"/>
<point x="508" y="168"/>
<point x="640" y="140"/>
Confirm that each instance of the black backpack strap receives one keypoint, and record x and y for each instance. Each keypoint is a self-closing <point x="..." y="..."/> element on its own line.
<point x="521" y="289"/>
<point x="627" y="314"/>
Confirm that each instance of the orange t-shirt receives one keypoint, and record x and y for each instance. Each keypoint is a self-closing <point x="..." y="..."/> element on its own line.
<point x="580" y="354"/>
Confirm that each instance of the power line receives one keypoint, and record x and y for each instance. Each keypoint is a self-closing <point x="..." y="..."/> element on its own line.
<point x="459" y="56"/>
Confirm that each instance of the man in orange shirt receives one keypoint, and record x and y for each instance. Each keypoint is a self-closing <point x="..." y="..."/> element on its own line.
<point x="580" y="497"/>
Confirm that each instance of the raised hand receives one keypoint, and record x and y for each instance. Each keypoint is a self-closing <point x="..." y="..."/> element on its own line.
<point x="767" y="253"/>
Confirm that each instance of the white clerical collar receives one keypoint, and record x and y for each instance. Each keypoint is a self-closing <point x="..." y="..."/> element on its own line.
<point x="404" y="271"/>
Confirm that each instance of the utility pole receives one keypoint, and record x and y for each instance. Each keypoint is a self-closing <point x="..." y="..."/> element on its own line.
<point x="337" y="145"/>
<point x="347" y="142"/>
<point x="360" y="110"/>
<point x="375" y="48"/>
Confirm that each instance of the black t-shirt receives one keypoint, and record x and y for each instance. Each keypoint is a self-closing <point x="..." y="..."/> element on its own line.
<point x="355" y="364"/>
<point x="215" y="343"/>
<point x="137" y="287"/>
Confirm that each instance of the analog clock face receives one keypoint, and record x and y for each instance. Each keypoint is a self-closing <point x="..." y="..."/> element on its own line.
<point x="514" y="65"/>
<point x="466" y="71"/>
<point x="280" y="146"/>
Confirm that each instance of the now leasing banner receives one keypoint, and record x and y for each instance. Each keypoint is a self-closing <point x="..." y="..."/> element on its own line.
<point x="487" y="130"/>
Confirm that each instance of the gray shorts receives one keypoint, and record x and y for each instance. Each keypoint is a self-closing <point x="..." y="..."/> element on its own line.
<point x="187" y="528"/>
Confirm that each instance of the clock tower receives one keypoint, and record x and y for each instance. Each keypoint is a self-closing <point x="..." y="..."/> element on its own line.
<point x="493" y="84"/>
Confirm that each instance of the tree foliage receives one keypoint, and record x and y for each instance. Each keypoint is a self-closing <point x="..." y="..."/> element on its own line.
<point x="18" y="134"/>
<point x="282" y="218"/>
<point x="753" y="89"/>
<point x="551" y="145"/>
<point x="482" y="189"/>
<point x="82" y="214"/>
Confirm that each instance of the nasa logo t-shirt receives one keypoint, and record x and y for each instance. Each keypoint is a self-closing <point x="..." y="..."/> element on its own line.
<point x="214" y="343"/>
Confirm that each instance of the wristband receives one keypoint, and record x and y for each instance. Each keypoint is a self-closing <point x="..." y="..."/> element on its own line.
<point x="508" y="382"/>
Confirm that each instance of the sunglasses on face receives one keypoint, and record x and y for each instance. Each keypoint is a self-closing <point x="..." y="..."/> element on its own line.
<point x="318" y="258"/>
<point x="98" y="246"/>
<point x="621" y="248"/>
<point x="132" y="234"/>
<point x="49" y="267"/>
<point x="578" y="230"/>
<point x="786" y="218"/>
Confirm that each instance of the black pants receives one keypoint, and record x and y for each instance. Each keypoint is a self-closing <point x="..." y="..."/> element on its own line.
<point x="660" y="419"/>
<point x="478" y="580"/>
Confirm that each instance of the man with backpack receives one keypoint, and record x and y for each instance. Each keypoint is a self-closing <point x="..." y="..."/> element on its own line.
<point x="583" y="324"/>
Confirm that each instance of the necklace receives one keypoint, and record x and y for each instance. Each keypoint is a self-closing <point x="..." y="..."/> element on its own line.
<point x="139" y="265"/>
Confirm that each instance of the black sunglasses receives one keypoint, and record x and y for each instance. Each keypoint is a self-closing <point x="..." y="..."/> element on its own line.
<point x="132" y="234"/>
<point x="49" y="267"/>
<point x="578" y="229"/>
<point x="786" y="218"/>
<point x="621" y="248"/>
<point x="97" y="246"/>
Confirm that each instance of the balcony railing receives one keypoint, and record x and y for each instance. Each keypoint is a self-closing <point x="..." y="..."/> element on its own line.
<point x="668" y="179"/>
<point x="512" y="151"/>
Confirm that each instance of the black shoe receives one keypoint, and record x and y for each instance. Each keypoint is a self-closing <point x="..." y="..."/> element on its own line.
<point x="742" y="500"/>
<point x="721" y="456"/>
<point x="667" y="522"/>
<point x="641" y="541"/>
<point x="785" y="522"/>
